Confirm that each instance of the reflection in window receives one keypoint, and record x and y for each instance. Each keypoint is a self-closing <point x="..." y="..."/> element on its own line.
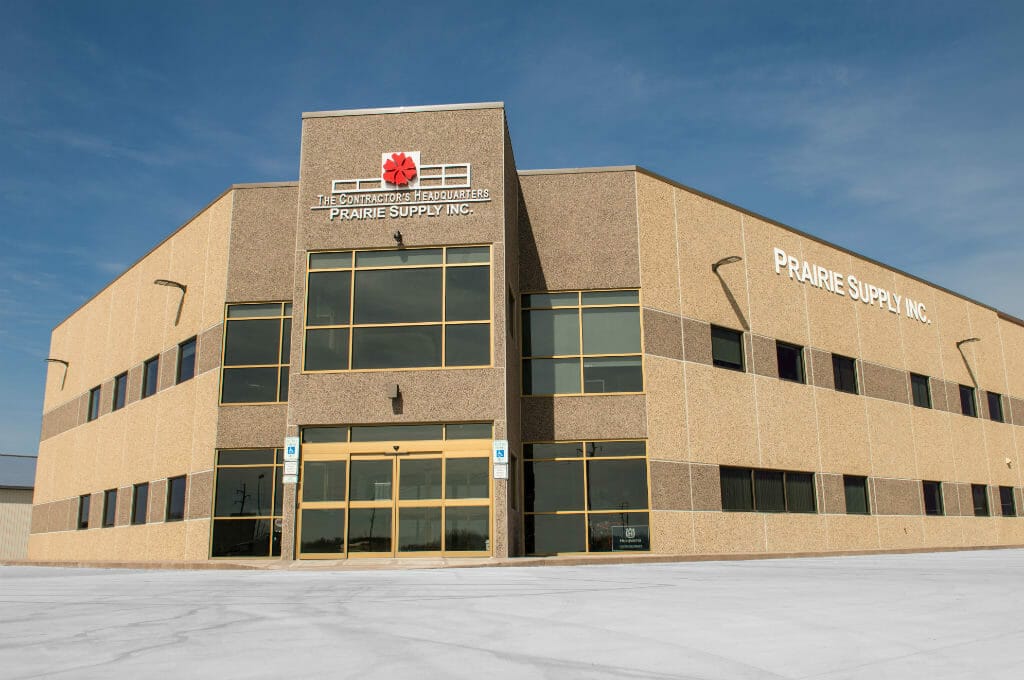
<point x="150" y="376"/>
<point x="727" y="348"/>
<point x="186" y="361"/>
<point x="257" y="345"/>
<point x="585" y="503"/>
<point x="582" y="342"/>
<point x="920" y="390"/>
<point x="175" y="509"/>
<point x="247" y="503"/>
<point x="409" y="308"/>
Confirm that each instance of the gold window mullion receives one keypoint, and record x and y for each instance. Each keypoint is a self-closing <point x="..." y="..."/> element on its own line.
<point x="351" y="334"/>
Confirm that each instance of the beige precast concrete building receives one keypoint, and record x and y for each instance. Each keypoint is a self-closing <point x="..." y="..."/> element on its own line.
<point x="418" y="350"/>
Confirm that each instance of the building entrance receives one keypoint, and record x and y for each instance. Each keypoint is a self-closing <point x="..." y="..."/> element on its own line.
<point x="419" y="499"/>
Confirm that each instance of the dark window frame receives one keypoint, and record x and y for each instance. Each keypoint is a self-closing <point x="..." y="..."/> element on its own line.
<point x="135" y="519"/>
<point x="109" y="508"/>
<point x="940" y="507"/>
<point x="1007" y="501"/>
<point x="968" y="401"/>
<point x="920" y="390"/>
<point x="178" y="375"/>
<point x="979" y="498"/>
<point x="120" y="392"/>
<point x="94" y="404"/>
<point x="838" y="361"/>
<point x="150" y="388"/>
<point x="995" y="407"/>
<point x="171" y="482"/>
<point x="730" y="334"/>
<point x="785" y="490"/>
<point x="281" y="366"/>
<point x="846" y="494"/>
<point x="780" y="348"/>
<point x="84" y="506"/>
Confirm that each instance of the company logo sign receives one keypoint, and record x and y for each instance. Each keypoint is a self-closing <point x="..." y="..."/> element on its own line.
<point x="404" y="188"/>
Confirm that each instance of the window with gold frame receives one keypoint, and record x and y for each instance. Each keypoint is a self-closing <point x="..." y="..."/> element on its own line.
<point x="247" y="503"/>
<point x="257" y="345"/>
<point x="585" y="496"/>
<point x="582" y="342"/>
<point x="398" y="309"/>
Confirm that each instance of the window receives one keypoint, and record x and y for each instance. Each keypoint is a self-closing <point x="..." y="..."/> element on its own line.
<point x="932" y="498"/>
<point x="83" y="511"/>
<point x="387" y="433"/>
<point x="586" y="497"/>
<point x="748" y="490"/>
<point x="856" y="490"/>
<point x="257" y="349"/>
<point x="175" y="499"/>
<point x="791" y="362"/>
<point x="150" y="376"/>
<point x="582" y="342"/>
<point x="94" y="403"/>
<point x="140" y="503"/>
<point x="979" y="492"/>
<point x="120" y="391"/>
<point x="186" y="361"/>
<point x="109" y="507"/>
<point x="920" y="390"/>
<point x="1006" y="501"/>
<point x="968" y="406"/>
<point x="727" y="348"/>
<point x="844" y="371"/>
<point x="409" y="308"/>
<point x="995" y="406"/>
<point x="248" y="501"/>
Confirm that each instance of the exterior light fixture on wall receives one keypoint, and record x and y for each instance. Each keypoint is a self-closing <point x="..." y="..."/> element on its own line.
<point x="961" y="343"/>
<point x="180" y="286"/>
<point x="725" y="260"/>
<point x="398" y="238"/>
<point x="66" y="366"/>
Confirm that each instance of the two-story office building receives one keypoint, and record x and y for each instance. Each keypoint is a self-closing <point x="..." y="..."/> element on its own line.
<point x="469" y="360"/>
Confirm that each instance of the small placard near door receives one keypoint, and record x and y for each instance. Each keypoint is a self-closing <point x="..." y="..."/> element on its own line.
<point x="631" y="537"/>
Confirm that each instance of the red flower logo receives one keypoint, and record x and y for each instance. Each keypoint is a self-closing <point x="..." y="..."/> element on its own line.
<point x="399" y="169"/>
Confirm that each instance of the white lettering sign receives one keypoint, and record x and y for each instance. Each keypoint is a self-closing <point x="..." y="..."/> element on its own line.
<point x="848" y="286"/>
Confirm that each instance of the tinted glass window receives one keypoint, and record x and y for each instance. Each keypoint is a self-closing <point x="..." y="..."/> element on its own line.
<point x="398" y="296"/>
<point x="559" y="450"/>
<point x="323" y="481"/>
<point x="979" y="493"/>
<point x="186" y="360"/>
<point x="613" y="374"/>
<point x="611" y="330"/>
<point x="1007" y="501"/>
<point x="769" y="491"/>
<point x="140" y="503"/>
<point x="94" y="403"/>
<point x="244" y="492"/>
<point x="322" y="531"/>
<point x="419" y="479"/>
<point x="611" y="297"/>
<point x="470" y="254"/>
<point x="396" y="347"/>
<point x="800" y="492"/>
<point x="737" y="489"/>
<point x="551" y="534"/>
<point x="369" y="530"/>
<point x="791" y="362"/>
<point x="856" y="490"/>
<point x="249" y="385"/>
<point x="83" y="511"/>
<point x="551" y="332"/>
<point x="606" y="449"/>
<point x="844" y="372"/>
<point x="252" y="341"/>
<point x="328" y="298"/>
<point x="920" y="390"/>
<point x="727" y="348"/>
<point x="419" y="529"/>
<point x="150" y="376"/>
<point x="398" y="258"/>
<point x="995" y="406"/>
<point x="315" y="435"/>
<point x="330" y="260"/>
<point x="245" y="457"/>
<point x="175" y="499"/>
<point x="605" y="529"/>
<point x="551" y="376"/>
<point x="468" y="431"/>
<point x="467" y="529"/>
<point x="967" y="404"/>
<point x="468" y="294"/>
<point x="617" y="484"/>
<point x="467" y="478"/>
<point x="327" y="349"/>
<point x="109" y="507"/>
<point x="554" y="485"/>
<point x="932" y="498"/>
<point x="370" y="480"/>
<point x="467" y="345"/>
<point x="244" y="311"/>
<point x="387" y="433"/>
<point x="242" y="538"/>
<point x="120" y="391"/>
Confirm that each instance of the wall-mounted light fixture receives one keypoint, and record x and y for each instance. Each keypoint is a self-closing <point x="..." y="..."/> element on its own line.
<point x="180" y="286"/>
<point x="725" y="260"/>
<point x="963" y="342"/>
<point x="63" y="363"/>
<point x="398" y="238"/>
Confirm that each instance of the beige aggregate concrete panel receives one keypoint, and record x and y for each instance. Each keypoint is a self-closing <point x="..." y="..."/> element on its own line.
<point x="168" y="368"/>
<point x="852" y="532"/>
<point x="697" y="341"/>
<point x="900" y="532"/>
<point x="706" y="487"/>
<point x="140" y="439"/>
<point x="172" y="451"/>
<point x="1016" y="411"/>
<point x="787" y="424"/>
<point x="217" y="246"/>
<point x="254" y="426"/>
<point x="722" y="416"/>
<point x="833" y="318"/>
<point x="843" y="432"/>
<point x="953" y="320"/>
<point x="708" y="232"/>
<point x="981" y="530"/>
<point x="1003" y="462"/>
<point x="831" y="494"/>
<point x="932" y="445"/>
<point x="969" y="449"/>
<point x="157" y="501"/>
<point x="197" y="540"/>
<point x="1012" y="335"/>
<point x="569" y="418"/>
<point x="580" y="231"/>
<point x="945" y="395"/>
<point x="764" y="358"/>
<point x="155" y="306"/>
<point x="728" y="532"/>
<point x="820" y="371"/>
<point x="124" y="506"/>
<point x="778" y="304"/>
<point x="204" y="422"/>
<point x="659" y="268"/>
<point x="166" y="542"/>
<point x="109" y="457"/>
<point x="200" y="495"/>
<point x="892" y="439"/>
<point x="921" y="341"/>
<point x="793" y="532"/>
<point x="896" y="497"/>
<point x="663" y="334"/>
<point x="261" y="266"/>
<point x="56" y="390"/>
<point x="989" y="367"/>
<point x="881" y="339"/>
<point x="672" y="533"/>
<point x="666" y="409"/>
<point x="943" y="532"/>
<point x="883" y="382"/>
<point x="670" y="486"/>
<point x="208" y="350"/>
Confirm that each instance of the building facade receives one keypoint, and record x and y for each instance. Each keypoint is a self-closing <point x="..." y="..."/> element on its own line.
<point x="418" y="350"/>
<point x="17" y="473"/>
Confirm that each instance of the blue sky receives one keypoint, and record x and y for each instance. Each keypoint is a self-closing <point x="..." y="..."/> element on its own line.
<point x="891" y="128"/>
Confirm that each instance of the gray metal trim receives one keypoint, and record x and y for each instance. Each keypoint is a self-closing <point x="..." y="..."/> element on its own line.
<point x="403" y="109"/>
<point x="582" y="171"/>
<point x="265" y="185"/>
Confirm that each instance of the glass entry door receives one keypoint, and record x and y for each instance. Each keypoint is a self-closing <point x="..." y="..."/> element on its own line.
<point x="395" y="505"/>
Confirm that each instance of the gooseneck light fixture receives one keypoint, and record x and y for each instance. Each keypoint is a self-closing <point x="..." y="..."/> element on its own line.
<point x="963" y="342"/>
<point x="180" y="286"/>
<point x="63" y="363"/>
<point x="725" y="260"/>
